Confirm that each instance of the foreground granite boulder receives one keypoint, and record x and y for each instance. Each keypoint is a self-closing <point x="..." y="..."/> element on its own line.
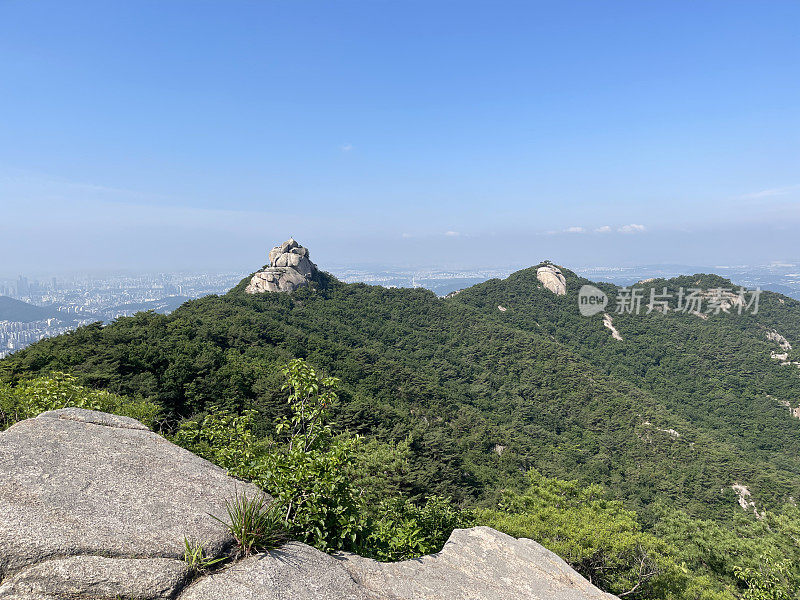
<point x="82" y="493"/>
<point x="295" y="571"/>
<point x="97" y="577"/>
<point x="475" y="564"/>
<point x="95" y="506"/>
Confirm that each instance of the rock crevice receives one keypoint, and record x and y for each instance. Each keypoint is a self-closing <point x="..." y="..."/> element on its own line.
<point x="97" y="577"/>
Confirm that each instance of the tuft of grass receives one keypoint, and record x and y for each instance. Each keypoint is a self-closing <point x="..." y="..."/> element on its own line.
<point x="195" y="557"/>
<point x="255" y="523"/>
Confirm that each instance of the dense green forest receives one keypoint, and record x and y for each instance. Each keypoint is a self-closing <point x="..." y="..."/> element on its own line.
<point x="666" y="421"/>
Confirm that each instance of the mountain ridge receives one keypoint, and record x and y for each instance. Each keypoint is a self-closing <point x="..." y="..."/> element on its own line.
<point x="497" y="395"/>
<point x="12" y="309"/>
<point x="405" y="353"/>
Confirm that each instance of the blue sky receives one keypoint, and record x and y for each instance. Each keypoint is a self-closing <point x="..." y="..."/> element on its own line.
<point x="199" y="134"/>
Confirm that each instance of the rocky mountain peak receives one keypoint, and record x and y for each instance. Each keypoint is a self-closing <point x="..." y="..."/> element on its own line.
<point x="552" y="278"/>
<point x="290" y="267"/>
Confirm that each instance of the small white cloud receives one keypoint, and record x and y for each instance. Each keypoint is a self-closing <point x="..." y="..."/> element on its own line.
<point x="346" y="147"/>
<point x="407" y="235"/>
<point x="575" y="230"/>
<point x="632" y="228"/>
<point x="603" y="229"/>
<point x="452" y="233"/>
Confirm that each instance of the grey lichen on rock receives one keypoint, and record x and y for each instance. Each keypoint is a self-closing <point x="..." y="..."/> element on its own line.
<point x="290" y="267"/>
<point x="552" y="278"/>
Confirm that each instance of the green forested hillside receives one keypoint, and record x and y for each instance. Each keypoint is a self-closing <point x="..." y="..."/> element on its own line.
<point x="484" y="400"/>
<point x="716" y="374"/>
<point x="481" y="394"/>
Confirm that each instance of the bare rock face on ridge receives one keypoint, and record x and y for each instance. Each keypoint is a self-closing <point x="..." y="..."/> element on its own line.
<point x="552" y="278"/>
<point x="95" y="505"/>
<point x="290" y="267"/>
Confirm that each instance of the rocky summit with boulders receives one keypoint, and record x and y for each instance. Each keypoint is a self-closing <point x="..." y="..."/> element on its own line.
<point x="96" y="506"/>
<point x="289" y="268"/>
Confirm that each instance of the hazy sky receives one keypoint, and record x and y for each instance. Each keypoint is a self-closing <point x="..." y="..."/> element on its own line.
<point x="199" y="134"/>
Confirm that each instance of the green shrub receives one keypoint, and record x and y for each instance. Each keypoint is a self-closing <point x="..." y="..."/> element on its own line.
<point x="771" y="580"/>
<point x="598" y="537"/>
<point x="401" y="530"/>
<point x="737" y="551"/>
<point x="334" y="491"/>
<point x="222" y="438"/>
<point x="380" y="470"/>
<point x="32" y="397"/>
<point x="307" y="474"/>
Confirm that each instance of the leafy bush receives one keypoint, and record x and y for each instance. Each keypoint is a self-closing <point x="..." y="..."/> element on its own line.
<point x="223" y="438"/>
<point x="401" y="530"/>
<point x="307" y="474"/>
<point x="334" y="491"/>
<point x="772" y="580"/>
<point x="596" y="536"/>
<point x="255" y="523"/>
<point x="32" y="397"/>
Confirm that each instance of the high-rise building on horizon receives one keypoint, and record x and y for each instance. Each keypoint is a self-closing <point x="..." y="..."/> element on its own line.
<point x="23" y="288"/>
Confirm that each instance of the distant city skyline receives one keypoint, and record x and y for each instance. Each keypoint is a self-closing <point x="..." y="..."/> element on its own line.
<point x="196" y="136"/>
<point x="53" y="305"/>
